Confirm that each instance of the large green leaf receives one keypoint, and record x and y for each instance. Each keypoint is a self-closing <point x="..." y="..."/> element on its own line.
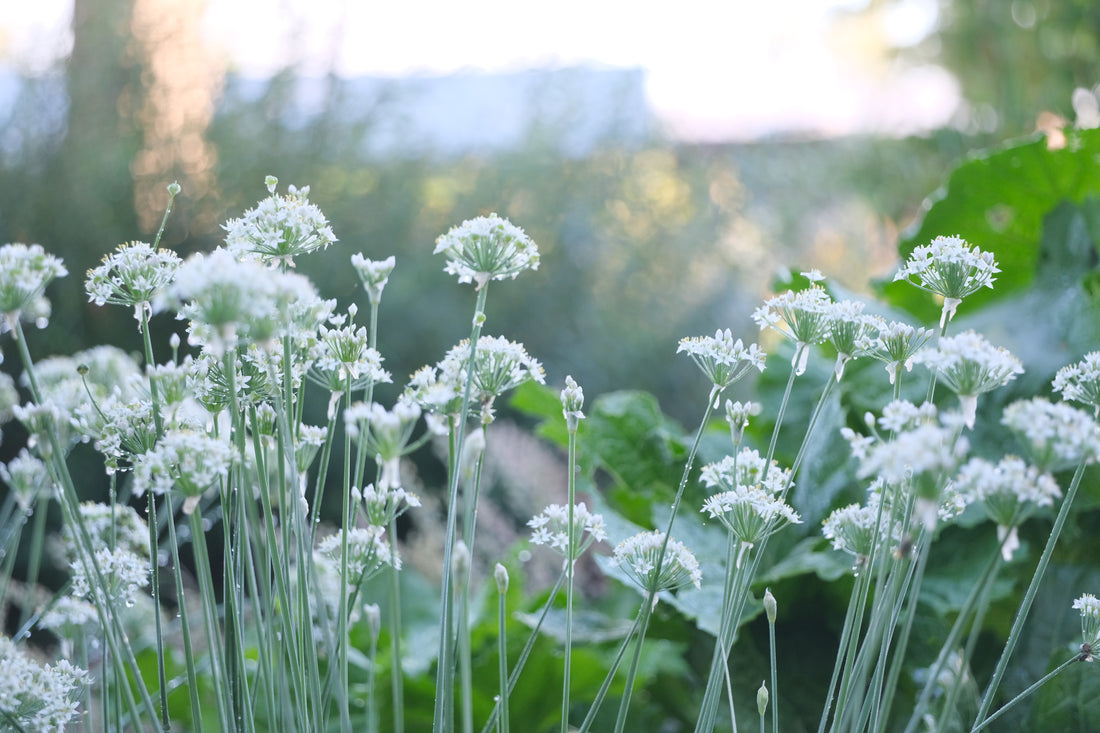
<point x="998" y="200"/>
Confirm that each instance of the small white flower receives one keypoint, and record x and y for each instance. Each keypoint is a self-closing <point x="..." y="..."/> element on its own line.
<point x="1009" y="491"/>
<point x="851" y="332"/>
<point x="722" y="359"/>
<point x="38" y="698"/>
<point x="551" y="528"/>
<point x="803" y="316"/>
<point x="487" y="248"/>
<point x="123" y="572"/>
<point x="949" y="267"/>
<point x="750" y="513"/>
<point x="1055" y="435"/>
<point x="851" y="529"/>
<point x="1089" y="606"/>
<point x="747" y="468"/>
<point x="132" y="276"/>
<point x="737" y="417"/>
<point x="373" y="274"/>
<point x="368" y="553"/>
<point x="896" y="344"/>
<point x="279" y="228"/>
<point x="572" y="400"/>
<point x="970" y="366"/>
<point x="25" y="271"/>
<point x="637" y="557"/>
<point x="1080" y="382"/>
<point x="27" y="478"/>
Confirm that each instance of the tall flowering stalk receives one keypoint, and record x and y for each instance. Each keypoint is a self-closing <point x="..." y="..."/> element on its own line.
<point x="478" y="251"/>
<point x="572" y="400"/>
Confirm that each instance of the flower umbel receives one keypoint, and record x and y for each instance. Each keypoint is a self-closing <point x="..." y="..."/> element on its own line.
<point x="487" y="248"/>
<point x="279" y="228"/>
<point x="804" y="317"/>
<point x="1055" y="434"/>
<point x="131" y="276"/>
<point x="949" y="267"/>
<point x="374" y="274"/>
<point x="1089" y="606"/>
<point x="722" y="359"/>
<point x="25" y="271"/>
<point x="969" y="365"/>
<point x="637" y="557"/>
<point x="551" y="528"/>
<point x="1080" y="382"/>
<point x="896" y="345"/>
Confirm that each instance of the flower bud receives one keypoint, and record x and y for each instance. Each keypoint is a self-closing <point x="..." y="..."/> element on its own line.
<point x="762" y="699"/>
<point x="500" y="575"/>
<point x="769" y="605"/>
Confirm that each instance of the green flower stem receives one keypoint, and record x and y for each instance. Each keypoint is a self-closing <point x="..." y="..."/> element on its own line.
<point x="775" y="681"/>
<point x="517" y="668"/>
<point x="185" y="627"/>
<point x="502" y="657"/>
<point x="34" y="562"/>
<point x="322" y="476"/>
<point x="1029" y="596"/>
<point x="469" y="530"/>
<point x="210" y="619"/>
<point x="887" y="698"/>
<point x="342" y="638"/>
<point x="853" y="620"/>
<point x="372" y="702"/>
<point x="442" y="722"/>
<point x="570" y="567"/>
<point x="782" y="410"/>
<point x="978" y="590"/>
<point x="1008" y="705"/>
<point x="632" y="671"/>
<point x="121" y="663"/>
<point x="708" y="712"/>
<point x="647" y="602"/>
<point x="397" y="674"/>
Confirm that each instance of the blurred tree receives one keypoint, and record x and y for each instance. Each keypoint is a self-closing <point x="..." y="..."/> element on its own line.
<point x="1014" y="59"/>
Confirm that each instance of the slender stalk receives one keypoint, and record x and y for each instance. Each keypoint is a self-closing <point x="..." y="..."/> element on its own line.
<point x="397" y="674"/>
<point x="1008" y="705"/>
<point x="502" y="656"/>
<point x="185" y="627"/>
<point x="708" y="713"/>
<point x="632" y="671"/>
<point x="775" y="680"/>
<point x="517" y="668"/>
<point x="1029" y="596"/>
<point x="444" y="687"/>
<point x="602" y="693"/>
<point x="782" y="409"/>
<point x="342" y="640"/>
<point x="570" y="567"/>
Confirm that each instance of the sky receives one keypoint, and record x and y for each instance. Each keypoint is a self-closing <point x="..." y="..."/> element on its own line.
<point x="715" y="69"/>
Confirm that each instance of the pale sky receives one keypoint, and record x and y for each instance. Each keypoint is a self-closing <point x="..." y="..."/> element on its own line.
<point x="715" y="69"/>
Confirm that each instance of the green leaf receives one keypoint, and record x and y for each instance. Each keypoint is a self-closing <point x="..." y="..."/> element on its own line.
<point x="998" y="200"/>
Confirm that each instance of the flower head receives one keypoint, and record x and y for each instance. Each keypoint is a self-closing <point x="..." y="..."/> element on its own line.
<point x="551" y="528"/>
<point x="969" y="366"/>
<point x="750" y="513"/>
<point x="1055" y="435"/>
<point x="27" y="478"/>
<point x="384" y="504"/>
<point x="374" y="274"/>
<point x="38" y="698"/>
<point x="279" y="228"/>
<point x="637" y="557"/>
<point x="487" y="248"/>
<point x="499" y="365"/>
<point x="851" y="529"/>
<point x="572" y="400"/>
<point x="746" y="469"/>
<point x="851" y="332"/>
<point x="368" y="552"/>
<point x="1089" y="606"/>
<point x="896" y="345"/>
<point x="385" y="434"/>
<point x="804" y="317"/>
<point x="131" y="276"/>
<point x="737" y="417"/>
<point x="1009" y="491"/>
<point x="188" y="460"/>
<point x="1080" y="382"/>
<point x="722" y="359"/>
<point x="123" y="574"/>
<point x="949" y="267"/>
<point x="25" y="271"/>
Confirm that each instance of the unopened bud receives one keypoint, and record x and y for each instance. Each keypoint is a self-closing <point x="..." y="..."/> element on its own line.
<point x="762" y="699"/>
<point x="769" y="605"/>
<point x="500" y="574"/>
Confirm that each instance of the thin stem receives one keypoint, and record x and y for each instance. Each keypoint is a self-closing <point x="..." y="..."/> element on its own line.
<point x="782" y="412"/>
<point x="1029" y="596"/>
<point x="1008" y="705"/>
<point x="775" y="681"/>
<point x="444" y="682"/>
<point x="590" y="718"/>
<point x="570" y="567"/>
<point x="185" y="627"/>
<point x="632" y="672"/>
<point x="502" y="656"/>
<point x="397" y="674"/>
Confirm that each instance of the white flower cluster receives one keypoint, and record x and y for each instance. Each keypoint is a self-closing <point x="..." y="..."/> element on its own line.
<point x="368" y="553"/>
<point x="279" y="228"/>
<point x="383" y="504"/>
<point x="384" y="434"/>
<point x="551" y="528"/>
<point x="25" y="271"/>
<point x="896" y="345"/>
<point x="950" y="267"/>
<point x="35" y="698"/>
<point x="747" y="468"/>
<point x="373" y="274"/>
<point x="1080" y="382"/>
<point x="851" y="529"/>
<point x="804" y="317"/>
<point x="345" y="353"/>
<point x="572" y="400"/>
<point x="722" y="359"/>
<point x="637" y="557"/>
<point x="27" y="478"/>
<point x="1009" y="492"/>
<point x="487" y="248"/>
<point x="190" y="461"/>
<point x="123" y="574"/>
<point x="969" y="365"/>
<point x="851" y="332"/>
<point x="751" y="513"/>
<point x="1055" y="435"/>
<point x="1089" y="606"/>
<point x="132" y="276"/>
